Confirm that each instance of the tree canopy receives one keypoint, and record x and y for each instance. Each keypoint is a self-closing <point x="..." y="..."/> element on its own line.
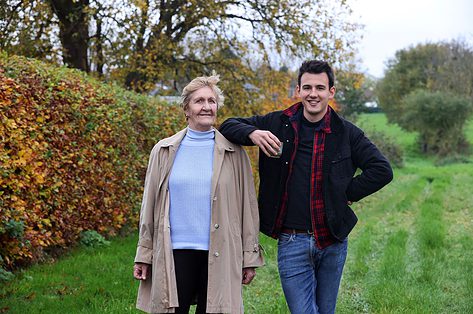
<point x="145" y="42"/>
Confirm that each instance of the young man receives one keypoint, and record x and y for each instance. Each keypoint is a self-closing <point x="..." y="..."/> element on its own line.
<point x="305" y="192"/>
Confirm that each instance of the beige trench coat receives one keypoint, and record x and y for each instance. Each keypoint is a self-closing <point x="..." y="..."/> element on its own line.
<point x="233" y="229"/>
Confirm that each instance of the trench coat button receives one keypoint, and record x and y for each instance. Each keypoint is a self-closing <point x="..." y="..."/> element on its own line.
<point x="216" y="254"/>
<point x="216" y="226"/>
<point x="287" y="163"/>
<point x="286" y="125"/>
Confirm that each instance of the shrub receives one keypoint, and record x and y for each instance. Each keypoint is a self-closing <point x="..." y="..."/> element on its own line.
<point x="73" y="156"/>
<point x="92" y="238"/>
<point x="440" y="118"/>
<point x="452" y="159"/>
<point x="5" y="275"/>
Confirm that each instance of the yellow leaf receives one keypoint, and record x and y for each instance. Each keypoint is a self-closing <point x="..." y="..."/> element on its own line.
<point x="39" y="178"/>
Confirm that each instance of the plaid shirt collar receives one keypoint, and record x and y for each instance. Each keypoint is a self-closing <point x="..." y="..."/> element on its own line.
<point x="294" y="113"/>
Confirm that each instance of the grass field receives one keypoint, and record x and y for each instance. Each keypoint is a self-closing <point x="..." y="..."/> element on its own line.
<point x="411" y="252"/>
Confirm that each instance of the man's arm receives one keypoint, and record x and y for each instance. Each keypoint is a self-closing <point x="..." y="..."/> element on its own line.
<point x="376" y="170"/>
<point x="251" y="131"/>
<point x="237" y="130"/>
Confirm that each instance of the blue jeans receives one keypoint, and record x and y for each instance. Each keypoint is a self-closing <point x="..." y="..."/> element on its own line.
<point x="310" y="277"/>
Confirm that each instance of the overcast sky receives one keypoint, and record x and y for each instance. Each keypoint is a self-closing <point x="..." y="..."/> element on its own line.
<point x="391" y="25"/>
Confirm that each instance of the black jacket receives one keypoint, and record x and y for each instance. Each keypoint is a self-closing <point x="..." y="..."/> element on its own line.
<point x="346" y="150"/>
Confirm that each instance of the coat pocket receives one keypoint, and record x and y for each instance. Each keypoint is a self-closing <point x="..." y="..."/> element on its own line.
<point x="342" y="166"/>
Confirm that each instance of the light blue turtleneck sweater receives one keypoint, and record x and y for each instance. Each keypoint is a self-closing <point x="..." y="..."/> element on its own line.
<point x="189" y="187"/>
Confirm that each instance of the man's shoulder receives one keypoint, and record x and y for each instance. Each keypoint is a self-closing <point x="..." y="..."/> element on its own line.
<point x="274" y="120"/>
<point x="271" y="113"/>
<point x="341" y="123"/>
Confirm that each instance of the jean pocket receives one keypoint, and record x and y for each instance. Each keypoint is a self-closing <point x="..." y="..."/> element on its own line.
<point x="284" y="239"/>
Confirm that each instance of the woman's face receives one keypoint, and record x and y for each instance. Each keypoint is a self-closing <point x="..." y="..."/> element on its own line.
<point x="202" y="109"/>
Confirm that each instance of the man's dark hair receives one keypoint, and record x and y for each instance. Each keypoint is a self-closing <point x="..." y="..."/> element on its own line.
<point x="316" y="67"/>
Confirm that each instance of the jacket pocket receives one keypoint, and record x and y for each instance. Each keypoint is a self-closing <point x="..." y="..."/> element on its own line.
<point x="342" y="166"/>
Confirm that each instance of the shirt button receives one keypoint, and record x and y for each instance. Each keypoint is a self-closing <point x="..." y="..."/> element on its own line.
<point x="215" y="198"/>
<point x="216" y="226"/>
<point x="216" y="254"/>
<point x="287" y="163"/>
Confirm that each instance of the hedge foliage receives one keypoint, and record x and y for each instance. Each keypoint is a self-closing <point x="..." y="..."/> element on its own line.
<point x="73" y="156"/>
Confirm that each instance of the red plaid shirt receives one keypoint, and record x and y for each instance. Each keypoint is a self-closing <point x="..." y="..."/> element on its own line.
<point x="322" y="234"/>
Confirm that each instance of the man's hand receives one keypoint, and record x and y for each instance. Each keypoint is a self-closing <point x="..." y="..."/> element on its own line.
<point x="267" y="141"/>
<point x="141" y="270"/>
<point x="248" y="274"/>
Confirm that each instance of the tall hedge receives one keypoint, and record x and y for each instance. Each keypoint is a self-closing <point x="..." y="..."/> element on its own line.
<point x="73" y="155"/>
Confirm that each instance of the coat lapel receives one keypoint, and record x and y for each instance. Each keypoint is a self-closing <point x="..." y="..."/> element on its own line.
<point x="170" y="148"/>
<point x="221" y="145"/>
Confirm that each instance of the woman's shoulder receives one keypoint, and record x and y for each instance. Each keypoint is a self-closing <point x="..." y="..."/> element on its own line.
<point x="221" y="141"/>
<point x="169" y="141"/>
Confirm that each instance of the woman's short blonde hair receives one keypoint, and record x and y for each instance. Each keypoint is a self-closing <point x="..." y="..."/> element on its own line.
<point x="198" y="83"/>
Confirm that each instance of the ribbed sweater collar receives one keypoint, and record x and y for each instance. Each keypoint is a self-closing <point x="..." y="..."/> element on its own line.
<point x="198" y="138"/>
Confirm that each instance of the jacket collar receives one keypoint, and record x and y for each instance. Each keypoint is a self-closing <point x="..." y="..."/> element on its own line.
<point x="220" y="141"/>
<point x="175" y="139"/>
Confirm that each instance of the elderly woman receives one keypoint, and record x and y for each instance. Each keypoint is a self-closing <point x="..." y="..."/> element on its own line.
<point x="199" y="222"/>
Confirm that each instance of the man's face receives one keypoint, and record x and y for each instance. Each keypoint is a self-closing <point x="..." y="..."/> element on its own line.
<point x="315" y="94"/>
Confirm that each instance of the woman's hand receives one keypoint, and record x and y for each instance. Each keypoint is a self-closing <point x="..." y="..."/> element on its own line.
<point x="141" y="270"/>
<point x="248" y="274"/>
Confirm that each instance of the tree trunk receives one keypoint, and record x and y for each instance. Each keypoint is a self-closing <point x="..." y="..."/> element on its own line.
<point x="73" y="31"/>
<point x="99" y="47"/>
